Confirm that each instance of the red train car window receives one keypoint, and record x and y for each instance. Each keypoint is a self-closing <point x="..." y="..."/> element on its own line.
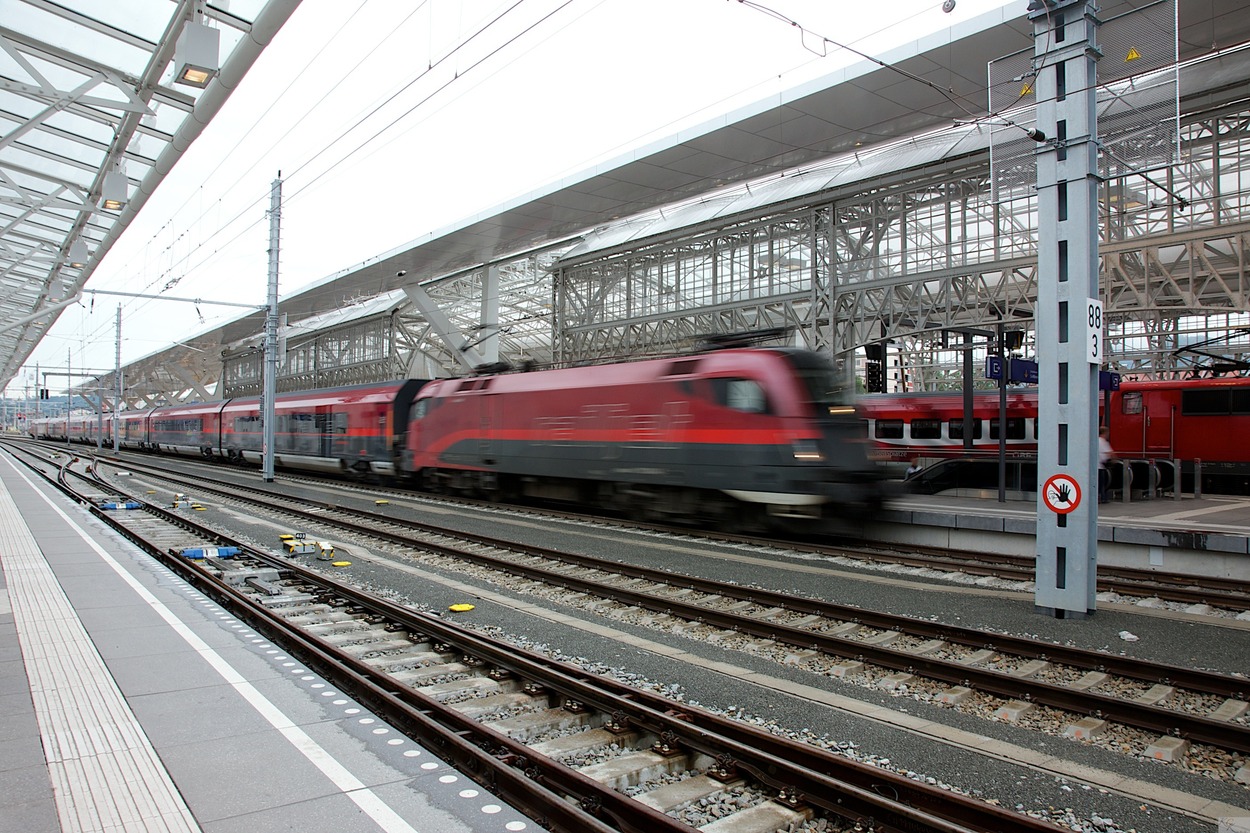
<point x="1015" y="428"/>
<point x="1205" y="402"/>
<point x="1131" y="403"/>
<point x="926" y="429"/>
<point x="1216" y="402"/>
<point x="743" y="395"/>
<point x="889" y="429"/>
<point x="684" y="367"/>
<point x="957" y="429"/>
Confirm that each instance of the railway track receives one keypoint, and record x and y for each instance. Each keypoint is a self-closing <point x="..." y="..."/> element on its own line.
<point x="1223" y="593"/>
<point x="576" y="751"/>
<point x="1152" y="710"/>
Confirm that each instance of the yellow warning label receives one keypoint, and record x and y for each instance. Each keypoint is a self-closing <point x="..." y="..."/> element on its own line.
<point x="1133" y="55"/>
<point x="1027" y="89"/>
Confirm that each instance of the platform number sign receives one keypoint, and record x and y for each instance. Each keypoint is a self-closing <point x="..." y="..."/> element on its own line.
<point x="1093" y="330"/>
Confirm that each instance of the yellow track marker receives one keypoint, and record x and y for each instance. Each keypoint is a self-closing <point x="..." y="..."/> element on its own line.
<point x="381" y="503"/>
<point x="341" y="563"/>
<point x="461" y="608"/>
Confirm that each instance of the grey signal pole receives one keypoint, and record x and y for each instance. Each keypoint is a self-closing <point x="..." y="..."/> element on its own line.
<point x="1069" y="312"/>
<point x="271" y="329"/>
<point x="117" y="376"/>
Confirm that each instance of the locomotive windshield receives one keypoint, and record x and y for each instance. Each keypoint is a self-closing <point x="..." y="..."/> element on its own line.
<point x="825" y="389"/>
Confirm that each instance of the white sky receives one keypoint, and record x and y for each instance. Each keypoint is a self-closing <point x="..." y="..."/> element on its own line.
<point x="591" y="81"/>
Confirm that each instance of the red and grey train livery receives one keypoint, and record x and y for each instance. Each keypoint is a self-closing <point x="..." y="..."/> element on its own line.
<point x="1181" y="419"/>
<point x="723" y="434"/>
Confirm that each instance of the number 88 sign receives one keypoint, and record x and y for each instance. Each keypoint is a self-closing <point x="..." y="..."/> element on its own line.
<point x="1093" y="331"/>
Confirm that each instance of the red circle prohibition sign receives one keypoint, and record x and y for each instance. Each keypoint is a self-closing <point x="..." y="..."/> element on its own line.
<point x="1062" y="493"/>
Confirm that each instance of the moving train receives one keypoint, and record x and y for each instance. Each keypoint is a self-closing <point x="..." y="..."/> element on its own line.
<point x="1181" y="419"/>
<point x="736" y="434"/>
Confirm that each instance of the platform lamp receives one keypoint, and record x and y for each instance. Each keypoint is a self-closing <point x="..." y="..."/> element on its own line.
<point x="196" y="56"/>
<point x="78" y="254"/>
<point x="114" y="191"/>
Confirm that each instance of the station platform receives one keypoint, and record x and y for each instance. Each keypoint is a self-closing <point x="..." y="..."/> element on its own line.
<point x="1206" y="536"/>
<point x="131" y="702"/>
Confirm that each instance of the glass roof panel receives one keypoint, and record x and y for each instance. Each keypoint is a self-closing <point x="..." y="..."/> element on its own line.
<point x="163" y="117"/>
<point x="95" y="129"/>
<point x="245" y="9"/>
<point x="51" y="169"/>
<point x="73" y="37"/>
<point x="19" y="105"/>
<point x="63" y="146"/>
<point x="74" y="71"/>
<point x="143" y="18"/>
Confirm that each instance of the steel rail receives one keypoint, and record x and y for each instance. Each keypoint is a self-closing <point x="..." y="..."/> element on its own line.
<point x="518" y="774"/>
<point x="1165" y="721"/>
<point x="1175" y="587"/>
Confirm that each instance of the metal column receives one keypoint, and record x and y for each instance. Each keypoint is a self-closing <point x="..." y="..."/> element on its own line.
<point x="271" y="331"/>
<point x="1069" y="314"/>
<point x="117" y="377"/>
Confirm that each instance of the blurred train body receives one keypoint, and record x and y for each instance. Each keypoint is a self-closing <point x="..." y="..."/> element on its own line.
<point x="736" y="434"/>
<point x="1183" y="419"/>
<point x="906" y="426"/>
<point x="700" y="436"/>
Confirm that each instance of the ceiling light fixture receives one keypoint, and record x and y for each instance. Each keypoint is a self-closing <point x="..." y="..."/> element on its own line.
<point x="78" y="254"/>
<point x="196" y="57"/>
<point x="114" y="191"/>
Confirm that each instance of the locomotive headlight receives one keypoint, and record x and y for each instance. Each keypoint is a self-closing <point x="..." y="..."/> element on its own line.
<point x="807" y="450"/>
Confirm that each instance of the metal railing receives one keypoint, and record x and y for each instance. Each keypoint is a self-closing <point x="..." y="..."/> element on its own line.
<point x="1156" y="476"/>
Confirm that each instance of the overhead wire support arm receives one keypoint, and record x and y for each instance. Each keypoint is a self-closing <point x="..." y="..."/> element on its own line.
<point x="196" y="301"/>
<point x="1181" y="202"/>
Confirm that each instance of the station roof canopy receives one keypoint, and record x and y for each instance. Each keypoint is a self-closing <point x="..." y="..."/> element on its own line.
<point x="98" y="101"/>
<point x="862" y="105"/>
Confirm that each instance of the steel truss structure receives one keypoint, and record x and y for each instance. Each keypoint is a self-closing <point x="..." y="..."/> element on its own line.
<point x="907" y="261"/>
<point x="92" y="119"/>
<point x="386" y="338"/>
<point x="902" y="246"/>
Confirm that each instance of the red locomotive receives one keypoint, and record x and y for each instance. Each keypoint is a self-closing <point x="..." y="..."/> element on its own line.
<point x="710" y="436"/>
<point x="734" y="434"/>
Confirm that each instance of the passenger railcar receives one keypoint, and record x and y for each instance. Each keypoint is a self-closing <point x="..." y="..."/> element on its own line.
<point x="188" y="430"/>
<point x="703" y="436"/>
<point x="133" y="429"/>
<point x="48" y="428"/>
<point x="337" y="430"/>
<point x="1187" y="420"/>
<point x="83" y="428"/>
<point x="1182" y="419"/>
<point x="904" y="426"/>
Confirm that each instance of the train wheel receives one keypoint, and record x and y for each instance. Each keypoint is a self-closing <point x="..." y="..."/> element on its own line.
<point x="429" y="480"/>
<point x="615" y="498"/>
<point x="748" y="519"/>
